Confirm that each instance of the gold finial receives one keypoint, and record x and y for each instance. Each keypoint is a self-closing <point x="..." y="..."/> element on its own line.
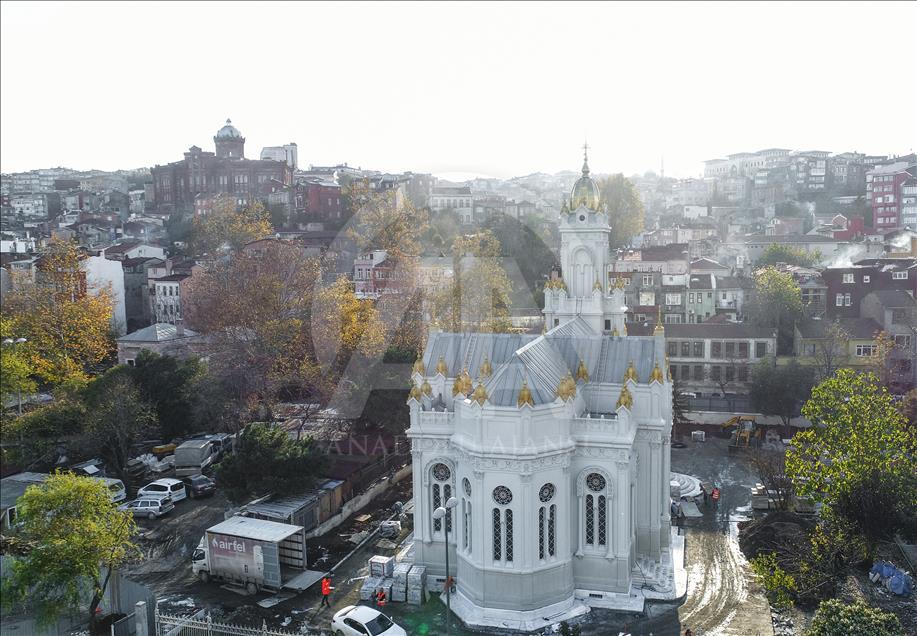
<point x="597" y="285"/>
<point x="625" y="329"/>
<point x="425" y="388"/>
<point x="480" y="394"/>
<point x="566" y="388"/>
<point x="625" y="399"/>
<point x="555" y="283"/>
<point x="619" y="282"/>
<point x="668" y="369"/>
<point x="441" y="367"/>
<point x="486" y="369"/>
<point x="582" y="373"/>
<point x="656" y="374"/>
<point x="658" y="330"/>
<point x="614" y="332"/>
<point x="525" y="395"/>
<point x="544" y="328"/>
<point x="418" y="366"/>
<point x="462" y="384"/>
<point x="415" y="392"/>
<point x="631" y="373"/>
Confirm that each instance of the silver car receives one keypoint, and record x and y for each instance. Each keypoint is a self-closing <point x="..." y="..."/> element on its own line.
<point x="148" y="507"/>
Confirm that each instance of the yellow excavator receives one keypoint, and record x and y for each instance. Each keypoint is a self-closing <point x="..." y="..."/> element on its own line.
<point x="743" y="429"/>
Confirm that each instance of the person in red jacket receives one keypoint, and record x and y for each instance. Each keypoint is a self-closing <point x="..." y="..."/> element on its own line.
<point x="380" y="598"/>
<point x="326" y="590"/>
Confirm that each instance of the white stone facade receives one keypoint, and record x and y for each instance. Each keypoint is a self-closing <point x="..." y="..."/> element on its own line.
<point x="557" y="452"/>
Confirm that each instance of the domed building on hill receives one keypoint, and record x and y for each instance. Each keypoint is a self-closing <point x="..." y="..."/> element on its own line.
<point x="556" y="448"/>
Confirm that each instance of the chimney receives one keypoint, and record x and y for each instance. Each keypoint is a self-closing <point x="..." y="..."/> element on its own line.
<point x="179" y="328"/>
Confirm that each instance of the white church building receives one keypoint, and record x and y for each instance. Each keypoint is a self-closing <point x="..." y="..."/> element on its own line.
<point x="557" y="448"/>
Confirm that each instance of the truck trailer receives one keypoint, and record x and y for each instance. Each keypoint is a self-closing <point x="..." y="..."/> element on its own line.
<point x="254" y="553"/>
<point x="192" y="457"/>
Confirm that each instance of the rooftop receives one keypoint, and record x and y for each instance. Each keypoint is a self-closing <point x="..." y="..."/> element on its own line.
<point x="160" y="332"/>
<point x="858" y="328"/>
<point x="715" y="330"/>
<point x="893" y="297"/>
<point x="260" y="529"/>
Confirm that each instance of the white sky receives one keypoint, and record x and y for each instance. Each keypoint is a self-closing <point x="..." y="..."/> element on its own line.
<point x="498" y="89"/>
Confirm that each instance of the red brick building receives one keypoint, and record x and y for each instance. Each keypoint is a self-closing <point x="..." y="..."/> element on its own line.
<point x="885" y="190"/>
<point x="226" y="171"/>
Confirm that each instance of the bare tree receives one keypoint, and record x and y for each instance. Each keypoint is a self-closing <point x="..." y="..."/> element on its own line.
<point x="769" y="465"/>
<point x="831" y="352"/>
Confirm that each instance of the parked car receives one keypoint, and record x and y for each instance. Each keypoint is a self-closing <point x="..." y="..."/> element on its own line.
<point x="164" y="488"/>
<point x="199" y="486"/>
<point x="360" y="620"/>
<point x="148" y="507"/>
<point x="115" y="487"/>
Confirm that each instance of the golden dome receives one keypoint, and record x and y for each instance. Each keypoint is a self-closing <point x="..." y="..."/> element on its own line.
<point x="480" y="394"/>
<point x="555" y="283"/>
<point x="631" y="373"/>
<point x="585" y="191"/>
<point x="582" y="373"/>
<point x="441" y="367"/>
<point x="415" y="392"/>
<point x="656" y="374"/>
<point x="462" y="383"/>
<point x="619" y="283"/>
<point x="597" y="285"/>
<point x="525" y="395"/>
<point x="566" y="388"/>
<point x="418" y="366"/>
<point x="425" y="388"/>
<point x="625" y="399"/>
<point x="486" y="369"/>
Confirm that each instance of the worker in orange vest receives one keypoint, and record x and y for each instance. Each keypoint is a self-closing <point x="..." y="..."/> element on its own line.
<point x="716" y="496"/>
<point x="380" y="598"/>
<point x="326" y="590"/>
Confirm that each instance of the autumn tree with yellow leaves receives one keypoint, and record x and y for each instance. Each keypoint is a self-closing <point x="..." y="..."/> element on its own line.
<point x="228" y="226"/>
<point x="67" y="326"/>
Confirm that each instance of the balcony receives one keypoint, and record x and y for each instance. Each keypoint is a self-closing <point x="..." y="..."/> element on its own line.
<point x="602" y="426"/>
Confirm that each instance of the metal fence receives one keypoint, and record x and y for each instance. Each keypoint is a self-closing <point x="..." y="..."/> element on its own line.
<point x="202" y="625"/>
<point x="730" y="404"/>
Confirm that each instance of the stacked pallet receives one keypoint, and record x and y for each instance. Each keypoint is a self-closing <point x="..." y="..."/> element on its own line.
<point x="370" y="586"/>
<point x="416" y="582"/>
<point x="400" y="582"/>
<point x="381" y="566"/>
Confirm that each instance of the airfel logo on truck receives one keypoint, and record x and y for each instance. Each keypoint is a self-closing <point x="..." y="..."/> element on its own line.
<point x="228" y="545"/>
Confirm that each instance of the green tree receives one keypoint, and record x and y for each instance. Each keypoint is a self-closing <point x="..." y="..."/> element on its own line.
<point x="171" y="386"/>
<point x="777" y="583"/>
<point x="777" y="303"/>
<point x="625" y="209"/>
<point x="778" y="253"/>
<point x="780" y="390"/>
<point x="117" y="415"/>
<point x="73" y="531"/>
<point x="34" y="439"/>
<point x="268" y="460"/>
<point x="858" y="447"/>
<point x="15" y="370"/>
<point x="839" y="618"/>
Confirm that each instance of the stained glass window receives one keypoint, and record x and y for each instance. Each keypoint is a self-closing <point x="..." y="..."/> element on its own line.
<point x="541" y="535"/>
<point x="498" y="539"/>
<point x="502" y="495"/>
<point x="546" y="493"/>
<point x="590" y="521"/>
<point x="509" y="535"/>
<point x="552" y="524"/>
<point x="441" y="472"/>
<point x="595" y="482"/>
<point x="437" y="502"/>
<point x="447" y="492"/>
<point x="602" y="512"/>
<point x="466" y="485"/>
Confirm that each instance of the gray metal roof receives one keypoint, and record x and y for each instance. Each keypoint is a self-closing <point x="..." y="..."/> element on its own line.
<point x="543" y="360"/>
<point x="260" y="529"/>
<point x="284" y="507"/>
<point x="14" y="486"/>
<point x="159" y="332"/>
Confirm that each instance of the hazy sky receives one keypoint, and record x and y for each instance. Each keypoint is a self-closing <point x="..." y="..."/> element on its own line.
<point x="499" y="89"/>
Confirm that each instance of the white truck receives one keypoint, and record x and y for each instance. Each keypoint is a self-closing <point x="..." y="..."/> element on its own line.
<point x="193" y="456"/>
<point x="255" y="554"/>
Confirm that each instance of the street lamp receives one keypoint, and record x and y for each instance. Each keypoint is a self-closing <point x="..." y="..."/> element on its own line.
<point x="439" y="513"/>
<point x="12" y="343"/>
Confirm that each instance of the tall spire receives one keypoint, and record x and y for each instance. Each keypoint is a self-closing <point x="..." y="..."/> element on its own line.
<point x="585" y="158"/>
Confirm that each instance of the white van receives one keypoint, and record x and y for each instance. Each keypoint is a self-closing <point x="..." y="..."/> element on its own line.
<point x="164" y="488"/>
<point x="115" y="487"/>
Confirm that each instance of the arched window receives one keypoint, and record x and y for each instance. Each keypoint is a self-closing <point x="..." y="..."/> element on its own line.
<point x="502" y="525"/>
<point x="466" y="515"/>
<point x="440" y="491"/>
<point x="595" y="511"/>
<point x="547" y="522"/>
